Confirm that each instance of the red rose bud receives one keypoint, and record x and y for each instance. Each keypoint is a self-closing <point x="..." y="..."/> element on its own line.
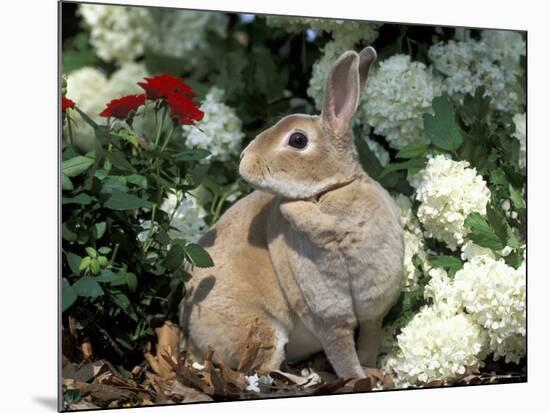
<point x="120" y="108"/>
<point x="161" y="86"/>
<point x="66" y="103"/>
<point x="184" y="109"/>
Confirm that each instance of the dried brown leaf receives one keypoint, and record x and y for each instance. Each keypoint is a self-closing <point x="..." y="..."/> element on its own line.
<point x="86" y="372"/>
<point x="252" y="347"/>
<point x="435" y="383"/>
<point x="363" y="385"/>
<point x="168" y="342"/>
<point x="188" y="394"/>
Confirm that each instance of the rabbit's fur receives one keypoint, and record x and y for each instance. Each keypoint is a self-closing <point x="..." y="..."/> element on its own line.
<point x="315" y="253"/>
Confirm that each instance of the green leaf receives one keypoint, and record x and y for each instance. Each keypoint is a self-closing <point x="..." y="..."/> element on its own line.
<point x="68" y="295"/>
<point x="122" y="301"/>
<point x="94" y="266"/>
<point x="447" y="262"/>
<point x="412" y="166"/>
<point x="481" y="232"/>
<point x="498" y="223"/>
<point x="77" y="165"/>
<point x="131" y="281"/>
<point x="138" y="180"/>
<point x="80" y="199"/>
<point x="91" y="252"/>
<point x="174" y="258"/>
<point x="102" y="261"/>
<point x="106" y="276"/>
<point x="126" y="135"/>
<point x="118" y="159"/>
<point x="104" y="250"/>
<point x="442" y="128"/>
<point x="73" y="261"/>
<point x="84" y="263"/>
<point x="414" y="150"/>
<point x="68" y="233"/>
<point x="192" y="155"/>
<point x="100" y="229"/>
<point x="88" y="287"/>
<point x="516" y="198"/>
<point x="121" y="201"/>
<point x="198" y="256"/>
<point x="71" y="396"/>
<point x="66" y="183"/>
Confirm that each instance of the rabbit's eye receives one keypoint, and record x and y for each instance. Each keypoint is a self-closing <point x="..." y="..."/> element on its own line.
<point x="298" y="140"/>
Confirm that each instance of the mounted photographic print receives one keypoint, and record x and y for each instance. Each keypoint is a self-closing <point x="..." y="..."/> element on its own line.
<point x="260" y="206"/>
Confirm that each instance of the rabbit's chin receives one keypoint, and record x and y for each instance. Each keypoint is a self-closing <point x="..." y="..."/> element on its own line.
<point x="294" y="190"/>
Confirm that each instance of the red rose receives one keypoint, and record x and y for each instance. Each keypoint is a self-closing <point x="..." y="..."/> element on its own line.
<point x="120" y="108"/>
<point x="184" y="109"/>
<point x="161" y="86"/>
<point x="66" y="103"/>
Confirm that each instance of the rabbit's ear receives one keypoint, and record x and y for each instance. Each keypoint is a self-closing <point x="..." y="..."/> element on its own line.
<point x="342" y="93"/>
<point x="367" y="56"/>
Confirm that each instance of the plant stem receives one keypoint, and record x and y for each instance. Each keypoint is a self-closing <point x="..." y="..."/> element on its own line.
<point x="70" y="128"/>
<point x="161" y="126"/>
<point x="168" y="138"/>
<point x="148" y="240"/>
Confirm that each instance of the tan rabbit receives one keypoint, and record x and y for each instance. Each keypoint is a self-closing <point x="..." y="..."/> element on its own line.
<point x="315" y="253"/>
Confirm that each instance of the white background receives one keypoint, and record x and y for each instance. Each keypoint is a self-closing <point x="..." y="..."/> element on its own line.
<point x="28" y="265"/>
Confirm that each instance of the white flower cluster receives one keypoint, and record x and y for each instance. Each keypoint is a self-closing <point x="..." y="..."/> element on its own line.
<point x="378" y="150"/>
<point x="521" y="135"/>
<point x="336" y="27"/>
<point x="220" y="129"/>
<point x="183" y="33"/>
<point x="414" y="243"/>
<point x="118" y="33"/>
<point x="345" y="36"/>
<point x="493" y="293"/>
<point x="484" y="306"/>
<point x="493" y="62"/>
<point x="188" y="219"/>
<point x="398" y="94"/>
<point x="435" y="346"/>
<point x="448" y="192"/>
<point x="122" y="33"/>
<point x="90" y="89"/>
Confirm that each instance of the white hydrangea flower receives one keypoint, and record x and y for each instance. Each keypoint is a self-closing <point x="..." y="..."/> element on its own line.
<point x="183" y="34"/>
<point x="122" y="33"/>
<point x="414" y="243"/>
<point x="292" y="24"/>
<point x="441" y="290"/>
<point x="471" y="250"/>
<point x="188" y="219"/>
<point x="493" y="293"/>
<point x="220" y="129"/>
<point x="491" y="62"/>
<point x="91" y="90"/>
<point x="505" y="45"/>
<point x="377" y="150"/>
<point x="448" y="192"/>
<point x="521" y="135"/>
<point x="398" y="94"/>
<point x="117" y="33"/>
<point x="436" y="346"/>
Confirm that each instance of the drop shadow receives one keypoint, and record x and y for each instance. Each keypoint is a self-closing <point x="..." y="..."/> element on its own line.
<point x="49" y="402"/>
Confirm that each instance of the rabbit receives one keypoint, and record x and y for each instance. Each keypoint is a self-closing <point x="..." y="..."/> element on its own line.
<point x="310" y="256"/>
